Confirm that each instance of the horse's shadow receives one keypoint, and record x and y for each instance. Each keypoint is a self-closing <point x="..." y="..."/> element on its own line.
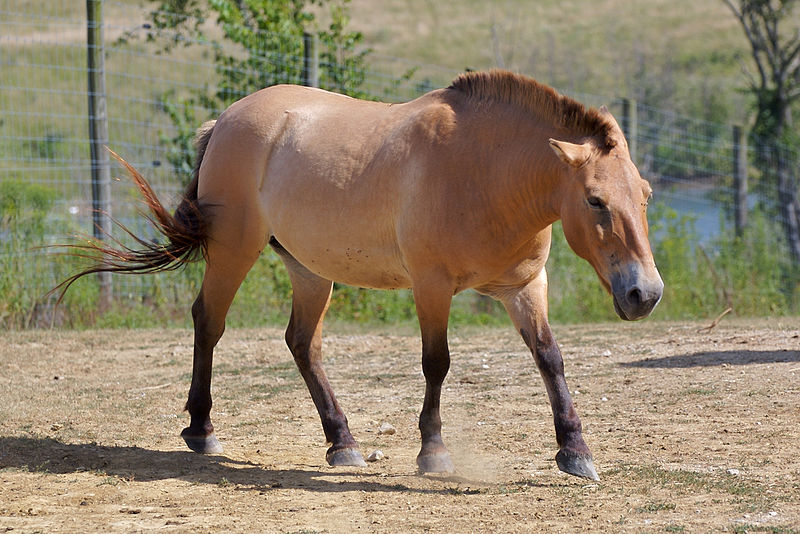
<point x="135" y="463"/>
<point x="718" y="358"/>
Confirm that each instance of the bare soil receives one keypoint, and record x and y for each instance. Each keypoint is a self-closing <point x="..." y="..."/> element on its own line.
<point x="692" y="431"/>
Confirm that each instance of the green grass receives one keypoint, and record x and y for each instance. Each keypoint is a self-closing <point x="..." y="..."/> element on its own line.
<point x="748" y="495"/>
<point x="656" y="507"/>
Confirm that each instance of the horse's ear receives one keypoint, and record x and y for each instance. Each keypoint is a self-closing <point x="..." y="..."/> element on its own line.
<point x="573" y="155"/>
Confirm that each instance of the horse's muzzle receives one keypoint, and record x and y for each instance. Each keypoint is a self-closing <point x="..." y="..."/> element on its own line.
<point x="635" y="295"/>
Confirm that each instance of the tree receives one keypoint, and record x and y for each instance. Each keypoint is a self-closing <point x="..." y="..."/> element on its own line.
<point x="773" y="31"/>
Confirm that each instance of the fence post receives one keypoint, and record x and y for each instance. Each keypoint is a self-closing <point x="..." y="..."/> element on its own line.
<point x="740" y="179"/>
<point x="310" y="60"/>
<point x="98" y="136"/>
<point x="631" y="125"/>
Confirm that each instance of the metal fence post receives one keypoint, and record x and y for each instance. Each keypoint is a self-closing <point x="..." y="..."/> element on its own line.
<point x="310" y="60"/>
<point x="630" y="124"/>
<point x="740" y="179"/>
<point x="98" y="136"/>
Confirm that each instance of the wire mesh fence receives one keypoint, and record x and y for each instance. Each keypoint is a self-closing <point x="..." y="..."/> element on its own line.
<point x="44" y="142"/>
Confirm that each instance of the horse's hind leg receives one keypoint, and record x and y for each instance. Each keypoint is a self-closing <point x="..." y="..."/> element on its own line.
<point x="310" y="297"/>
<point x="225" y="272"/>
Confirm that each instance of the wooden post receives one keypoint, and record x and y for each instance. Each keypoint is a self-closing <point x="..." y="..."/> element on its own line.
<point x="630" y="124"/>
<point x="310" y="60"/>
<point x="98" y="136"/>
<point x="739" y="179"/>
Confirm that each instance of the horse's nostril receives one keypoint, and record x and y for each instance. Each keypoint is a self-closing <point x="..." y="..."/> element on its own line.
<point x="634" y="296"/>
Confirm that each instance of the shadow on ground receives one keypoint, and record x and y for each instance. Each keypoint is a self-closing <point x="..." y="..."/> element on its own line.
<point x="710" y="359"/>
<point x="46" y="455"/>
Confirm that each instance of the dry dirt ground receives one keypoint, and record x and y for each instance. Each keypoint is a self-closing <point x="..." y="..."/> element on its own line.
<point x="691" y="432"/>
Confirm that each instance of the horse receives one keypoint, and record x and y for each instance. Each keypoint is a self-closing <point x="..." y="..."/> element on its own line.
<point x="457" y="189"/>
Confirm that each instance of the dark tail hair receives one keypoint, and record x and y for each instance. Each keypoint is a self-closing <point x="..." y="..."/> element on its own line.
<point x="186" y="230"/>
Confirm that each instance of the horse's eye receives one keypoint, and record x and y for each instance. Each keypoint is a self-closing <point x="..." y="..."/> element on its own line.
<point x="596" y="203"/>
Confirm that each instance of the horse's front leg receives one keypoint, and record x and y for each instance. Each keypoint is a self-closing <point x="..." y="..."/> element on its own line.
<point x="527" y="308"/>
<point x="433" y="309"/>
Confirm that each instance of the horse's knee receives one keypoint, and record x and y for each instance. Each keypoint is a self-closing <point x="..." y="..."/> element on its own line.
<point x="297" y="342"/>
<point x="291" y="341"/>
<point x="305" y="349"/>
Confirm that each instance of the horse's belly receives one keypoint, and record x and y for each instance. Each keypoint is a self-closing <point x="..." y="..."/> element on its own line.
<point x="352" y="264"/>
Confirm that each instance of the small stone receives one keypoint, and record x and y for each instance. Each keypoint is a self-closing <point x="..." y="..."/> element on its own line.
<point x="375" y="456"/>
<point x="773" y="514"/>
<point x="734" y="472"/>
<point x="55" y="427"/>
<point x="604" y="399"/>
<point x="606" y="352"/>
<point x="387" y="429"/>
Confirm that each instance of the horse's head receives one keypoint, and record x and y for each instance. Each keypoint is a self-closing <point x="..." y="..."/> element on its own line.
<point x="603" y="213"/>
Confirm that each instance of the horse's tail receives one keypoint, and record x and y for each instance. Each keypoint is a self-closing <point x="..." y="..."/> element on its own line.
<point x="186" y="231"/>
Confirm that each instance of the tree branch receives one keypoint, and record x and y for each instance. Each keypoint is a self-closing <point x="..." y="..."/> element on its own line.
<point x="754" y="36"/>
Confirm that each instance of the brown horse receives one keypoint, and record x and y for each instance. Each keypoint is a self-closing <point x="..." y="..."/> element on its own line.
<point x="454" y="190"/>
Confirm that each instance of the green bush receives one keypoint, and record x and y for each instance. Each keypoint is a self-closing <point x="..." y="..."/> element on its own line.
<point x="752" y="274"/>
<point x="26" y="271"/>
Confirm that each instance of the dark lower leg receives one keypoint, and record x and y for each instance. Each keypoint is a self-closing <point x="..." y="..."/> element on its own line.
<point x="551" y="366"/>
<point x="527" y="308"/>
<point x="433" y="456"/>
<point x="304" y="338"/>
<point x="308" y="357"/>
<point x="574" y="456"/>
<point x="432" y="298"/>
<point x="199" y="435"/>
<point x="435" y="368"/>
<point x="334" y="422"/>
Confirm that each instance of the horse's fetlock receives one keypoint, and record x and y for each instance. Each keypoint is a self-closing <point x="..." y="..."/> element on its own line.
<point x="428" y="422"/>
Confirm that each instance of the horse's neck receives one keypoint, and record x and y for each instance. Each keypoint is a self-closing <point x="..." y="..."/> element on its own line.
<point x="533" y="187"/>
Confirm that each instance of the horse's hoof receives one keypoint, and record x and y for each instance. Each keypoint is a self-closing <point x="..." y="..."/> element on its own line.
<point x="343" y="457"/>
<point x="580" y="465"/>
<point x="435" y="463"/>
<point x="202" y="444"/>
